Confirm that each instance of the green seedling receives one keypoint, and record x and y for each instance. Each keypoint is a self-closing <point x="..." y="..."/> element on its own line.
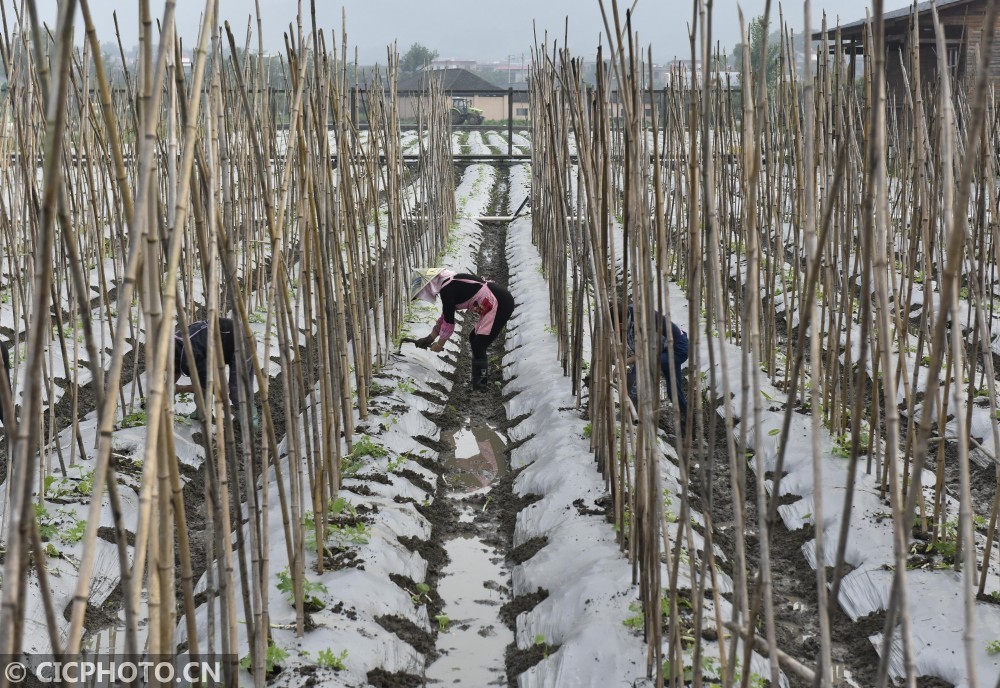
<point x="341" y="505"/>
<point x="421" y="595"/>
<point x="86" y="484"/>
<point x="366" y="447"/>
<point x="328" y="660"/>
<point x="947" y="542"/>
<point x="993" y="647"/>
<point x="686" y="673"/>
<point x="275" y="655"/>
<point x="47" y="527"/>
<point x="376" y="389"/>
<point x="709" y="666"/>
<point x="52" y="487"/>
<point x="310" y="527"/>
<point x="668" y="501"/>
<point x="354" y="535"/>
<point x="349" y="467"/>
<point x="635" y="622"/>
<point x="540" y="641"/>
<point x="134" y="419"/>
<point x="75" y="533"/>
<point x="588" y="430"/>
<point x="443" y="622"/>
<point x="842" y="447"/>
<point x="310" y="590"/>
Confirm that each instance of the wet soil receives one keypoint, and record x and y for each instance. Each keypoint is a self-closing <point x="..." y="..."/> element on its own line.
<point x="496" y="504"/>
<point x="795" y="596"/>
<point x="380" y="678"/>
<point x="421" y="640"/>
<point x="796" y="605"/>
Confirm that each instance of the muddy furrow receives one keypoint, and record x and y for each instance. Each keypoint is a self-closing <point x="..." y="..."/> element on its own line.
<point x="472" y="579"/>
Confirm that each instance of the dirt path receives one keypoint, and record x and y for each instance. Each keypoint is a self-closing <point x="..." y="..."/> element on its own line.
<point x="475" y="512"/>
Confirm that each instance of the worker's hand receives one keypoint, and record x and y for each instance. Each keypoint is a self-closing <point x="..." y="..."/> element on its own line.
<point x="424" y="342"/>
<point x="437" y="347"/>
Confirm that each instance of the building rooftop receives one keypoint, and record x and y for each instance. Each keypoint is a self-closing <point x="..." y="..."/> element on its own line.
<point x="857" y="27"/>
<point x="452" y="80"/>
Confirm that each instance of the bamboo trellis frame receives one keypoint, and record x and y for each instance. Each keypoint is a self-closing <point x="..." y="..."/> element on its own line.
<point x="815" y="200"/>
<point x="169" y="188"/>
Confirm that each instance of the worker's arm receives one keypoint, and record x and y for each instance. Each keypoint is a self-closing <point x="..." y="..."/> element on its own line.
<point x="445" y="324"/>
<point x="425" y="342"/>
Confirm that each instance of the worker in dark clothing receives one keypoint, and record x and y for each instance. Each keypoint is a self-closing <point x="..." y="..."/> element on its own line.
<point x="6" y="373"/>
<point x="679" y="354"/>
<point x="198" y="332"/>
<point x="462" y="291"/>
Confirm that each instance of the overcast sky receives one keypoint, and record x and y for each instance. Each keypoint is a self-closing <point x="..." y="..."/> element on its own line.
<point x="469" y="29"/>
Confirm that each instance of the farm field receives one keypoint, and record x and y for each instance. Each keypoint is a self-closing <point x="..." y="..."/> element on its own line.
<point x="795" y="486"/>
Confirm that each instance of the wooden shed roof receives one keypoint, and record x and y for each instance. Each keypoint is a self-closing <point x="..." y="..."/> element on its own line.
<point x="851" y="29"/>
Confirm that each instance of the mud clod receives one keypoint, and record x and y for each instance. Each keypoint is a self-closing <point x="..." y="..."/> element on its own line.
<point x="526" y="551"/>
<point x="421" y="640"/>
<point x="380" y="678"/>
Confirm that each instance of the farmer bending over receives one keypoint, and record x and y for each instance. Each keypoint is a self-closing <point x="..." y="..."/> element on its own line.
<point x="462" y="291"/>
<point x="679" y="355"/>
<point x="198" y="332"/>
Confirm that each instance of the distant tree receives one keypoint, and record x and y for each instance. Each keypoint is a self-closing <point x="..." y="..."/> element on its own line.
<point x="415" y="59"/>
<point x="757" y="31"/>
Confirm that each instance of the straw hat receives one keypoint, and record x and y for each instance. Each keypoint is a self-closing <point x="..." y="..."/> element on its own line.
<point x="421" y="277"/>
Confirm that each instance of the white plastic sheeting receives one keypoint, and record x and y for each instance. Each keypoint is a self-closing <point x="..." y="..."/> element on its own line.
<point x="368" y="594"/>
<point x="935" y="602"/>
<point x="588" y="580"/>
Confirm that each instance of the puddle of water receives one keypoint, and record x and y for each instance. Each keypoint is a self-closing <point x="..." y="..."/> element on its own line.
<point x="475" y="583"/>
<point x="473" y="587"/>
<point x="476" y="459"/>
